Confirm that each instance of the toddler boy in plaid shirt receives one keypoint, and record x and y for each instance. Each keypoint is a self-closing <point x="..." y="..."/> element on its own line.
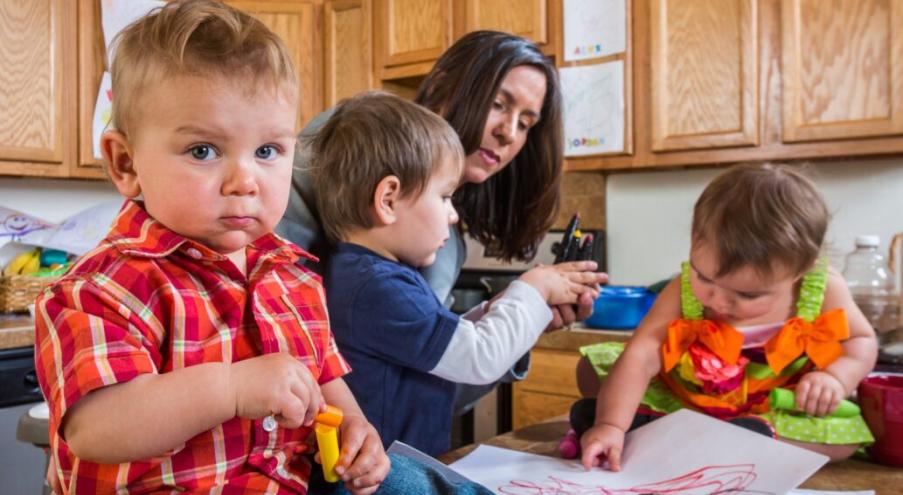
<point x="162" y="351"/>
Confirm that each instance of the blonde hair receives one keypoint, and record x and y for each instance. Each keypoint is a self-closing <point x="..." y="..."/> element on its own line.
<point x="194" y="38"/>
<point x="369" y="137"/>
<point x="759" y="214"/>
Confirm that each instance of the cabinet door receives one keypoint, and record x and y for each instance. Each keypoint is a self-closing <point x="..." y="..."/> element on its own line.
<point x="347" y="60"/>
<point x="704" y="74"/>
<point x="37" y="74"/>
<point x="549" y="389"/>
<point x="297" y="23"/>
<point x="411" y="31"/>
<point x="92" y="62"/>
<point x="843" y="69"/>
<point x="525" y="18"/>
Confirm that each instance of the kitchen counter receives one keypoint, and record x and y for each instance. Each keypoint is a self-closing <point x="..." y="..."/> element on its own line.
<point x="16" y="330"/>
<point x="852" y="474"/>
<point x="571" y="339"/>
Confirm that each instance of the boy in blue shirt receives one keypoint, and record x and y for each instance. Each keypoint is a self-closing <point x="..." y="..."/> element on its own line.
<point x="391" y="167"/>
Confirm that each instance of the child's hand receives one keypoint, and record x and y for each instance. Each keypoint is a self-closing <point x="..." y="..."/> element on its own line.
<point x="565" y="282"/>
<point x="819" y="393"/>
<point x="276" y="384"/>
<point x="600" y="443"/>
<point x="363" y="464"/>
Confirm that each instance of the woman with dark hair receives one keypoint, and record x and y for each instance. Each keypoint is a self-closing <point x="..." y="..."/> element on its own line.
<point x="502" y="97"/>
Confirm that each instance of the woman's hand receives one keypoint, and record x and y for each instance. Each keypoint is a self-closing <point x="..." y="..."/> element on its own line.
<point x="564" y="315"/>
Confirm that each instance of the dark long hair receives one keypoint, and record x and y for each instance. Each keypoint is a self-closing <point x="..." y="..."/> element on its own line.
<point x="511" y="210"/>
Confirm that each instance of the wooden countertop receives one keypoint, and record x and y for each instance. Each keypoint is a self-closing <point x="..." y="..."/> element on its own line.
<point x="852" y="474"/>
<point x="571" y="339"/>
<point x="16" y="331"/>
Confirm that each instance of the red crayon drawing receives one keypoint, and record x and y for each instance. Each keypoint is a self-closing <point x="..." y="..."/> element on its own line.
<point x="710" y="480"/>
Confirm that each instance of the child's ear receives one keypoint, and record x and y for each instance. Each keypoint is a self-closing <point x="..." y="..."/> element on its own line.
<point x="117" y="154"/>
<point x="385" y="199"/>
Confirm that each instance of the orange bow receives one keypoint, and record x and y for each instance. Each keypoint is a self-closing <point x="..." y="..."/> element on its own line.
<point x="720" y="338"/>
<point x="820" y="340"/>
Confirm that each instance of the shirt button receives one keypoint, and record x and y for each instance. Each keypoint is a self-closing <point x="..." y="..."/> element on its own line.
<point x="194" y="253"/>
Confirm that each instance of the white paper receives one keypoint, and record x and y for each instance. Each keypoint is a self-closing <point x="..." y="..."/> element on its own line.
<point x="684" y="452"/>
<point x="115" y="16"/>
<point x="593" y="108"/>
<point x="16" y="226"/>
<point x="594" y="28"/>
<point x="76" y="235"/>
<point x="81" y="232"/>
<point x="103" y="111"/>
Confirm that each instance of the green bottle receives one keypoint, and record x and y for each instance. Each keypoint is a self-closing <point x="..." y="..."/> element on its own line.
<point x="781" y="398"/>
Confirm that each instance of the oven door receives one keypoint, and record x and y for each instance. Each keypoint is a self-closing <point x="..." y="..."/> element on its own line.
<point x="21" y="464"/>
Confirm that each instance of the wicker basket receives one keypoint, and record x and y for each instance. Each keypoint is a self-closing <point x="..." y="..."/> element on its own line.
<point x="18" y="291"/>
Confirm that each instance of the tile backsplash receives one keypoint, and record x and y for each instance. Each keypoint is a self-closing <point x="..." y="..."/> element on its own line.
<point x="582" y="192"/>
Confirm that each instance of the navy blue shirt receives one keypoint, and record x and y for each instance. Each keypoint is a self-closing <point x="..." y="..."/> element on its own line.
<point x="392" y="329"/>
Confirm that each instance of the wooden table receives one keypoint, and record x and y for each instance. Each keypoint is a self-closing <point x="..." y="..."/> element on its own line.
<point x="853" y="474"/>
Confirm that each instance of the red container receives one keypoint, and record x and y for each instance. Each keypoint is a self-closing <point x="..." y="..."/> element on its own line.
<point x="881" y="401"/>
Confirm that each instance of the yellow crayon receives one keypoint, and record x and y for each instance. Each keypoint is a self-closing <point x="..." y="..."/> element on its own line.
<point x="326" y="426"/>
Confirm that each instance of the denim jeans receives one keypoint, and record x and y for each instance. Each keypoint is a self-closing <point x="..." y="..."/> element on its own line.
<point x="407" y="477"/>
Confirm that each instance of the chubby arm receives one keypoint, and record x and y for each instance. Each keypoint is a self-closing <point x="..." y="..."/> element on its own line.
<point x="622" y="390"/>
<point x="149" y="415"/>
<point x="481" y="351"/>
<point x="860" y="351"/>
<point x="155" y="413"/>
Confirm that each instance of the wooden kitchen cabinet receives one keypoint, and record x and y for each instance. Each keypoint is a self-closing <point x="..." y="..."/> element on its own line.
<point x="92" y="62"/>
<point x="807" y="80"/>
<point x="527" y="18"/>
<point x="843" y="69"/>
<point x="37" y="101"/>
<point x="704" y="73"/>
<point x="549" y="389"/>
<point x="409" y="35"/>
<point x="551" y="385"/>
<point x="297" y="22"/>
<point x="347" y="53"/>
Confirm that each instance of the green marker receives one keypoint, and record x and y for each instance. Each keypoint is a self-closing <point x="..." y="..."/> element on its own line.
<point x="781" y="398"/>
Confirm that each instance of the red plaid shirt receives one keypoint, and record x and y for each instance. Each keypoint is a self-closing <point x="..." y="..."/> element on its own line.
<point x="147" y="300"/>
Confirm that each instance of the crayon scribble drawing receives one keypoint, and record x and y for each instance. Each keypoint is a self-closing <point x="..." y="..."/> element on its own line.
<point x="14" y="225"/>
<point x="710" y="480"/>
<point x="684" y="453"/>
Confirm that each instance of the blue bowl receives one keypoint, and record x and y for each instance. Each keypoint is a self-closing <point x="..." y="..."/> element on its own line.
<point x="620" y="307"/>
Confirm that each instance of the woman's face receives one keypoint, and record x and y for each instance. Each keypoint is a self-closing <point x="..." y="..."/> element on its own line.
<point x="515" y="109"/>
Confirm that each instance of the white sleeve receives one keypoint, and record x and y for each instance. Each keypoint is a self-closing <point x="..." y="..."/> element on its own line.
<point x="484" y="349"/>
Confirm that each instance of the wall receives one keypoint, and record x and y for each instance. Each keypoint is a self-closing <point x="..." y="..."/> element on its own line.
<point x="649" y="213"/>
<point x="52" y="199"/>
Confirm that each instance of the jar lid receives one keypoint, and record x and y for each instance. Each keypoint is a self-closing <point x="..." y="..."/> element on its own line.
<point x="867" y="241"/>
